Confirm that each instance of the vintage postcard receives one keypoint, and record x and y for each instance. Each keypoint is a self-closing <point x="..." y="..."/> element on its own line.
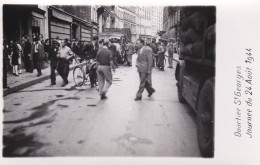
<point x="92" y="82"/>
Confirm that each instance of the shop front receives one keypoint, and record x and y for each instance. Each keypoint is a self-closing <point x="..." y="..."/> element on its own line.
<point x="21" y="20"/>
<point x="65" y="25"/>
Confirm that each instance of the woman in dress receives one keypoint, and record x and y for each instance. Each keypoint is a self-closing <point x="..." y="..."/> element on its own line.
<point x="15" y="57"/>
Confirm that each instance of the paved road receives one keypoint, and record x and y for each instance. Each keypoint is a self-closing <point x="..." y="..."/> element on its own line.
<point x="66" y="121"/>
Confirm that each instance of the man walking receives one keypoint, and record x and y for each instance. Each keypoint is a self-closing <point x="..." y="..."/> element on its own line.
<point x="105" y="64"/>
<point x="144" y="65"/>
<point x="64" y="55"/>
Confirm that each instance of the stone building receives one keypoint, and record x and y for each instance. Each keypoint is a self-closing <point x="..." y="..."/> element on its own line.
<point x="171" y="20"/>
<point x="72" y="22"/>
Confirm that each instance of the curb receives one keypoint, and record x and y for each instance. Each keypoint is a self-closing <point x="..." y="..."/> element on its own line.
<point x="32" y="82"/>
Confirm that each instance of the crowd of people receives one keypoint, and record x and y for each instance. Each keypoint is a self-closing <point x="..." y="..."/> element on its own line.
<point x="105" y="52"/>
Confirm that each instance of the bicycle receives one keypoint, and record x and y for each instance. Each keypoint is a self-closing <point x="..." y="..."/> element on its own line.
<point x="82" y="73"/>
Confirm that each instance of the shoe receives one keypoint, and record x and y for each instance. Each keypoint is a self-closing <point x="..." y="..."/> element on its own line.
<point x="53" y="84"/>
<point x="151" y="93"/>
<point x="103" y="97"/>
<point x="138" y="98"/>
<point x="16" y="75"/>
<point x="38" y="75"/>
<point x="64" y="84"/>
<point x="7" y="87"/>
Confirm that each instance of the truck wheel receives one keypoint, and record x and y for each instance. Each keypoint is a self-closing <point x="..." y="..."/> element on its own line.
<point x="205" y="119"/>
<point x="178" y="77"/>
<point x="181" y="98"/>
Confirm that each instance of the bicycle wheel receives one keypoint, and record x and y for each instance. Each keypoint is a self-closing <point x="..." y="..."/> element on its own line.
<point x="78" y="76"/>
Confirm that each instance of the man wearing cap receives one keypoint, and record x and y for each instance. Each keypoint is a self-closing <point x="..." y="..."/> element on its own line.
<point x="105" y="65"/>
<point x="144" y="63"/>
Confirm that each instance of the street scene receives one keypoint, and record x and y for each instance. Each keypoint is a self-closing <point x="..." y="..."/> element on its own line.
<point x="73" y="121"/>
<point x="108" y="81"/>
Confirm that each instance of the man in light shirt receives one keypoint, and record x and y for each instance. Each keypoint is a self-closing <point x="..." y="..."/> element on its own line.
<point x="65" y="54"/>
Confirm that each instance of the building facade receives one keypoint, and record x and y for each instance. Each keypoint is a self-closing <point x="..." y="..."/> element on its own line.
<point x="157" y="19"/>
<point x="72" y="22"/>
<point x="19" y="20"/>
<point x="171" y="20"/>
<point x="144" y="22"/>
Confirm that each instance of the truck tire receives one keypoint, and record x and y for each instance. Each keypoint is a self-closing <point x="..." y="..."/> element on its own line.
<point x="181" y="98"/>
<point x="178" y="77"/>
<point x="205" y="119"/>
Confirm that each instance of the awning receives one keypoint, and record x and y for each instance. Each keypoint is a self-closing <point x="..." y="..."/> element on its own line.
<point x="169" y="34"/>
<point x="109" y="35"/>
<point x="61" y="16"/>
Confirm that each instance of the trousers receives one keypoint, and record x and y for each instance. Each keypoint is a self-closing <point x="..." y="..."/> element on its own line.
<point x="36" y="62"/>
<point x="145" y="83"/>
<point x="54" y="63"/>
<point x="104" y="74"/>
<point x="63" y="69"/>
<point x="28" y="64"/>
<point x="129" y="59"/>
<point x="170" y="58"/>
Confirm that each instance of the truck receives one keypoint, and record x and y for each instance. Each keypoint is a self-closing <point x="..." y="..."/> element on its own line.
<point x="195" y="69"/>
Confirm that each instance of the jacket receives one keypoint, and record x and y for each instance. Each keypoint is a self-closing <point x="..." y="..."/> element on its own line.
<point x="41" y="55"/>
<point x="130" y="49"/>
<point x="144" y="61"/>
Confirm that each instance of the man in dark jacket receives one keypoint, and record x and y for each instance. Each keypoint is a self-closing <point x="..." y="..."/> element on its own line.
<point x="89" y="50"/>
<point x="153" y="46"/>
<point x="54" y="60"/>
<point x="26" y="52"/>
<point x="112" y="48"/>
<point x="38" y="54"/>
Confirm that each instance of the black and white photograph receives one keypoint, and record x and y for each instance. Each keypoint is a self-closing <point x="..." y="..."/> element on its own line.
<point x="121" y="81"/>
<point x="109" y="80"/>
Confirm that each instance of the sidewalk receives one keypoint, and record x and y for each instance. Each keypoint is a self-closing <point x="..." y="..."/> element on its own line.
<point x="27" y="79"/>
